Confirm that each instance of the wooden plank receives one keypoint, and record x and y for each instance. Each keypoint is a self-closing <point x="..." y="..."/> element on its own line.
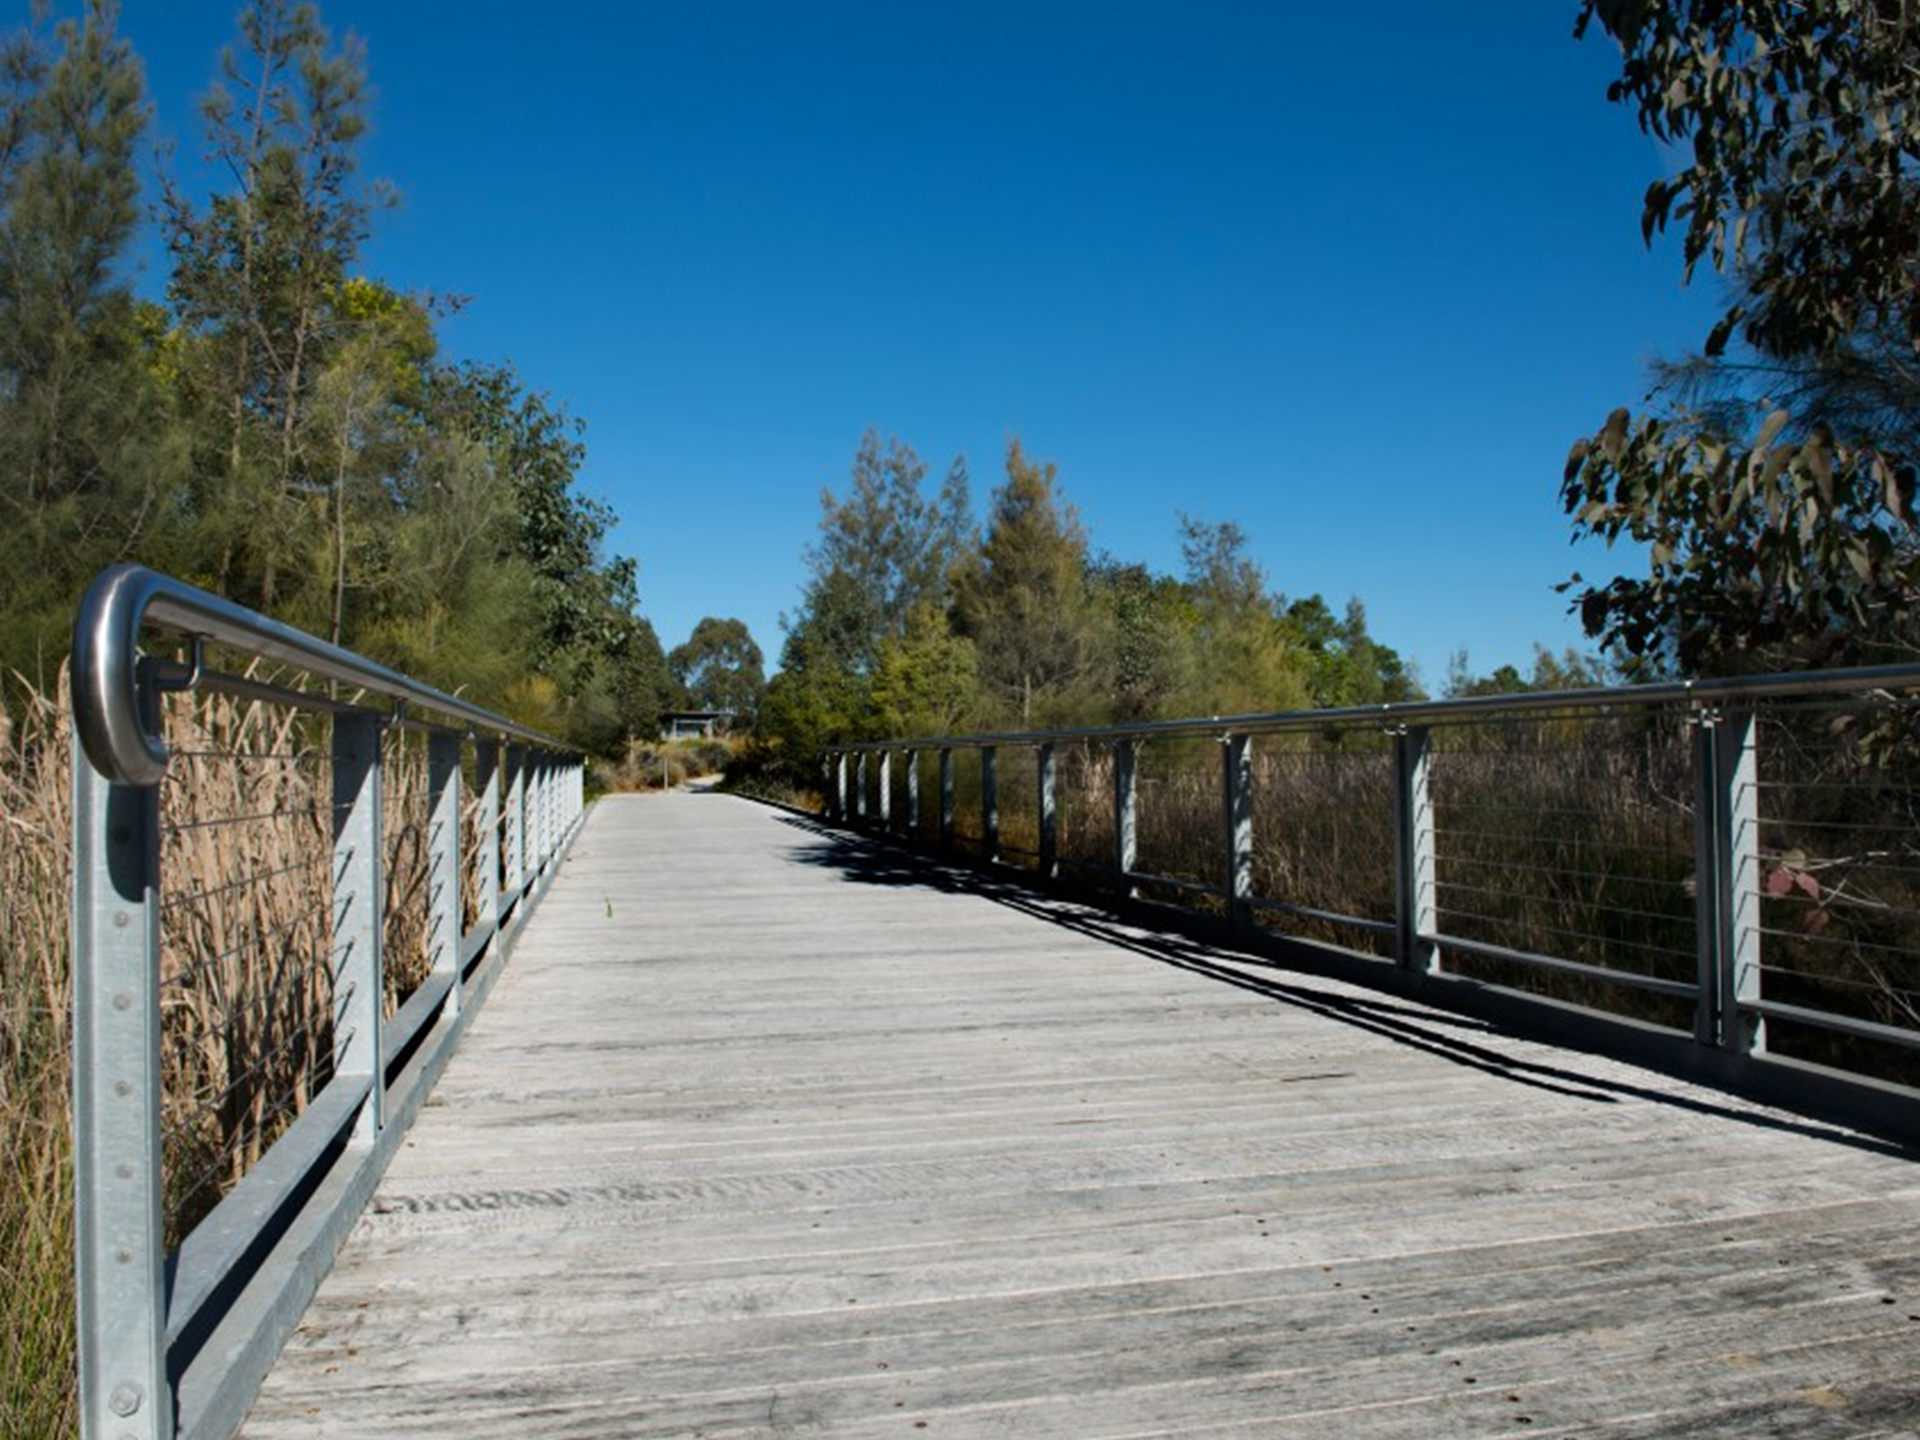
<point x="769" y="1132"/>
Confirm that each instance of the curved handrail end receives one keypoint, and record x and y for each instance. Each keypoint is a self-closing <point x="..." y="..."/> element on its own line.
<point x="106" y="692"/>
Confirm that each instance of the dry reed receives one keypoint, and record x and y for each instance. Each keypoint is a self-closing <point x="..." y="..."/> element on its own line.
<point x="37" y="1359"/>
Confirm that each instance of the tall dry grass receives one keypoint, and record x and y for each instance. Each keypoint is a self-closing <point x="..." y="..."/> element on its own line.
<point x="246" y="990"/>
<point x="37" y="1361"/>
<point x="246" y="997"/>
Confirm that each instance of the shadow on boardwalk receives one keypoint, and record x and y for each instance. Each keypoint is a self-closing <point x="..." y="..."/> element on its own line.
<point x="1462" y="1040"/>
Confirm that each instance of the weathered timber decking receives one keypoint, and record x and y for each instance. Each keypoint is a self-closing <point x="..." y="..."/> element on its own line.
<point x="767" y="1132"/>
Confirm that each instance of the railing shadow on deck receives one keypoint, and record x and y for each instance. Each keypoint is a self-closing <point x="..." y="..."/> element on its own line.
<point x="1460" y="1028"/>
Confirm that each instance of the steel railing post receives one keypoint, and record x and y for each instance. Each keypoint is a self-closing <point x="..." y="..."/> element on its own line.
<point x="1237" y="813"/>
<point x="990" y="801"/>
<point x="885" y="797"/>
<point x="1049" y="815"/>
<point x="913" y="794"/>
<point x="486" y="779"/>
<point x="120" y="1242"/>
<point x="1727" y="883"/>
<point x="839" y="798"/>
<point x="551" y="809"/>
<point x="1126" y="827"/>
<point x="542" y="806"/>
<point x="1416" y="913"/>
<point x="515" y="822"/>
<point x="445" y="877"/>
<point x="860" y="787"/>
<point x="946" y="798"/>
<point x="546" y="811"/>
<point x="359" y="893"/>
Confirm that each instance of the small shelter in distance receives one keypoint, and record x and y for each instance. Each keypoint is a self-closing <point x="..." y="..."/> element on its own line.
<point x="695" y="724"/>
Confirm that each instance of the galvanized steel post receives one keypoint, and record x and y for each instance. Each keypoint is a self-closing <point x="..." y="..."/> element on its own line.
<point x="913" y="793"/>
<point x="1727" y="885"/>
<point x="540" y="809"/>
<point x="1049" y="815"/>
<point x="885" y="798"/>
<point x="1126" y="830"/>
<point x="486" y="777"/>
<point x="990" y="801"/>
<point x="946" y="798"/>
<point x="860" y="786"/>
<point x="1237" y="801"/>
<point x="358" y="897"/>
<point x="516" y="819"/>
<point x="120" y="1239"/>
<point x="1416" y="913"/>
<point x="444" y="875"/>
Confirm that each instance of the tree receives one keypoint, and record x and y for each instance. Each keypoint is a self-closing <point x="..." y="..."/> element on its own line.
<point x="1247" y="657"/>
<point x="1345" y="664"/>
<point x="1569" y="670"/>
<point x="927" y="679"/>
<point x="1024" y="600"/>
<point x="886" y="552"/>
<point x="584" y="599"/>
<point x="370" y="457"/>
<point x="85" y="467"/>
<point x="255" y="274"/>
<point x="1780" y="526"/>
<point x="819" y="697"/>
<point x="1147" y="628"/>
<point x="719" y="668"/>
<point x="893" y="546"/>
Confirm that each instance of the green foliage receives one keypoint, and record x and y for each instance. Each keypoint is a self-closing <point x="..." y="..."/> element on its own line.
<point x="1803" y="123"/>
<point x="1147" y="624"/>
<point x="1786" y="547"/>
<point x="1777" y="516"/>
<point x="719" y="668"/>
<point x="284" y="430"/>
<point x="927" y="678"/>
<point x="1247" y="657"/>
<point x="887" y="547"/>
<point x="86" y="463"/>
<point x="1551" y="673"/>
<point x="257" y="272"/>
<point x="1345" y="664"/>
<point x="1021" y="627"/>
<point x="1024" y="600"/>
<point x="887" y="554"/>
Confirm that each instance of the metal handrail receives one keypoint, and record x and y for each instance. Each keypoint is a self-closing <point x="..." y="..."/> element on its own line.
<point x="1391" y="715"/>
<point x="124" y="599"/>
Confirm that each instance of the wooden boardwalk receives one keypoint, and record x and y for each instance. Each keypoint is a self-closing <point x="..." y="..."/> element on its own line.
<point x="767" y="1132"/>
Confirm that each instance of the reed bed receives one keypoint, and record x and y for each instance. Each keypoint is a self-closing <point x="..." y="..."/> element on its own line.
<point x="37" y="1359"/>
<point x="1573" y="838"/>
<point x="246" y="998"/>
<point x="1017" y="792"/>
<point x="1083" y="793"/>
<point x="1323" y="835"/>
<point x="1838" y="888"/>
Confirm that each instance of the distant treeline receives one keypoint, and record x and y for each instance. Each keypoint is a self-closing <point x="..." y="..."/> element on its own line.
<point x="916" y="621"/>
<point x="281" y="429"/>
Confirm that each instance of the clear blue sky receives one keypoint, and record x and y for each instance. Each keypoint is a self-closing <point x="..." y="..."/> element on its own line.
<point x="1352" y="277"/>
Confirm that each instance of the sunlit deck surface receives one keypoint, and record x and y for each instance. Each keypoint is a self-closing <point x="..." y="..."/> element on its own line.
<point x="772" y="1132"/>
